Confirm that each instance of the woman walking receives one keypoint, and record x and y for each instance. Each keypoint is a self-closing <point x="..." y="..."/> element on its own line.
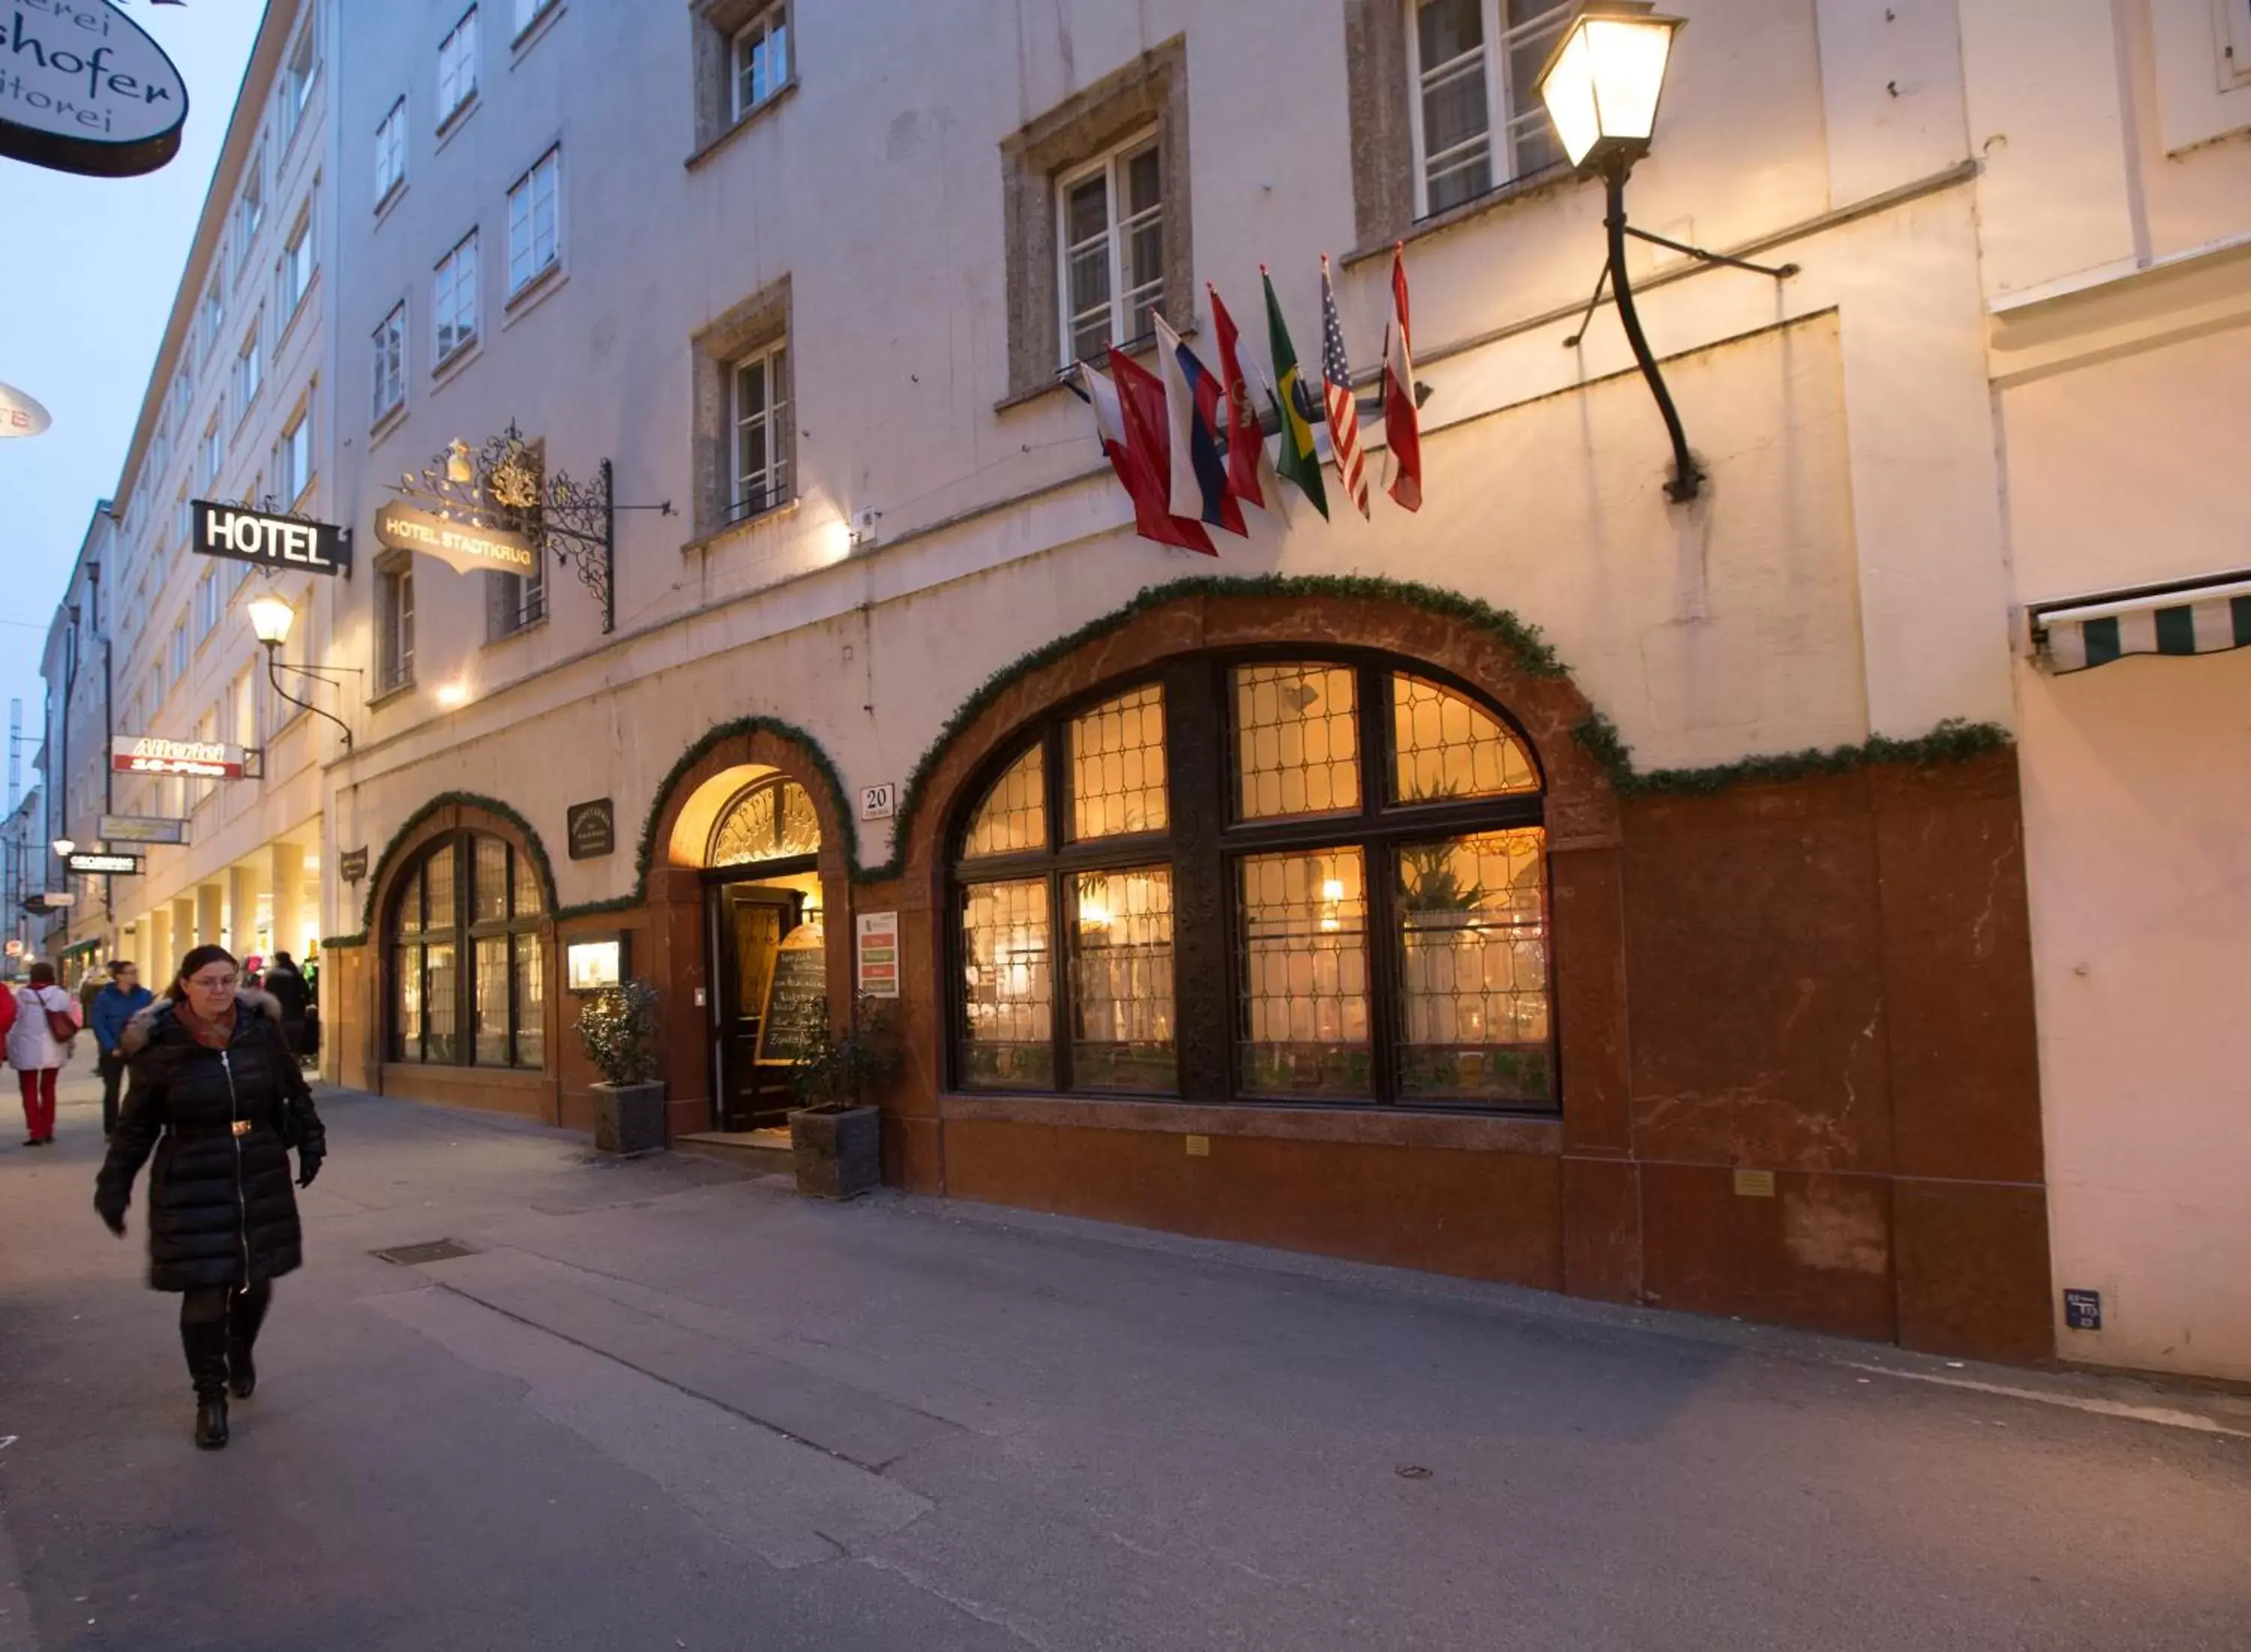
<point x="35" y="1052"/>
<point x="217" y="1097"/>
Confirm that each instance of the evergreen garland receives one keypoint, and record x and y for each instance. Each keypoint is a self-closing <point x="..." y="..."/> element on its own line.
<point x="645" y="855"/>
<point x="447" y="800"/>
<point x="1952" y="741"/>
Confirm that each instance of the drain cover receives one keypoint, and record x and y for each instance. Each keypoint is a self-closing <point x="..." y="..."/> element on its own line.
<point x="434" y="1250"/>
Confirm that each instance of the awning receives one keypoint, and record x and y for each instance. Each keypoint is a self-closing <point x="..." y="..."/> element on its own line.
<point x="2188" y="617"/>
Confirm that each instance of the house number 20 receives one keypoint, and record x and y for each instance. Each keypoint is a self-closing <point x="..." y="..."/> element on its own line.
<point x="879" y="803"/>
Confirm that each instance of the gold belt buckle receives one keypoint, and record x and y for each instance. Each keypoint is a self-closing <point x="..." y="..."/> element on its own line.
<point x="242" y="1127"/>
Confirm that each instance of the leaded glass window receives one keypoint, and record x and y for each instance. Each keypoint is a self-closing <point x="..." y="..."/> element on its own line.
<point x="772" y="819"/>
<point x="466" y="957"/>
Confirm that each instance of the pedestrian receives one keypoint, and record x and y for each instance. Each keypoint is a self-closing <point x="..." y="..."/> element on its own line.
<point x="39" y="1044"/>
<point x="212" y="1079"/>
<point x="114" y="1006"/>
<point x="291" y="990"/>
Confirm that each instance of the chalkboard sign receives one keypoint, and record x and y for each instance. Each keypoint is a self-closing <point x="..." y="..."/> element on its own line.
<point x="794" y="1018"/>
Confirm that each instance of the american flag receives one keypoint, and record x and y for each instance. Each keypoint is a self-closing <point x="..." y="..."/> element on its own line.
<point x="1336" y="398"/>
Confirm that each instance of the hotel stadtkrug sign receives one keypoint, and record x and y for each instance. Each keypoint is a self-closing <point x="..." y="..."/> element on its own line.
<point x="460" y="545"/>
<point x="269" y="541"/>
<point x="82" y="89"/>
<point x="204" y="759"/>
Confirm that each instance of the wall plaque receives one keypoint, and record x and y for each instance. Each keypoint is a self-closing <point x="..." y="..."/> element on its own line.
<point x="879" y="954"/>
<point x="351" y="865"/>
<point x="592" y="829"/>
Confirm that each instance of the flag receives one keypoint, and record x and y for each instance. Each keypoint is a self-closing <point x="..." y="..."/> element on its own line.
<point x="1298" y="462"/>
<point x="1197" y="475"/>
<point x="1336" y="398"/>
<point x="1403" y="428"/>
<point x="1131" y="405"/>
<point x="1249" y="469"/>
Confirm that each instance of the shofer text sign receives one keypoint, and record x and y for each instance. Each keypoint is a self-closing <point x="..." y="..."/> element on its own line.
<point x="269" y="541"/>
<point x="464" y="547"/>
<point x="83" y="89"/>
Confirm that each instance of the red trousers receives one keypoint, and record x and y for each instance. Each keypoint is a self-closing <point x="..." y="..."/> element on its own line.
<point x="39" y="1088"/>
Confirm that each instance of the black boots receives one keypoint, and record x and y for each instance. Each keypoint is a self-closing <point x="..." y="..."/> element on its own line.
<point x="245" y="1311"/>
<point x="206" y="1345"/>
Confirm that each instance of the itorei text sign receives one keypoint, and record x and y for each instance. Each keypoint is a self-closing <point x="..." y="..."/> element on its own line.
<point x="83" y="89"/>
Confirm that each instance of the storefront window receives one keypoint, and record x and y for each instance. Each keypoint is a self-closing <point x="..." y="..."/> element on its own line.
<point x="467" y="958"/>
<point x="1368" y="906"/>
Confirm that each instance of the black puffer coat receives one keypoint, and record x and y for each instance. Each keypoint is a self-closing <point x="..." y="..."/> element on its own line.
<point x="221" y="1210"/>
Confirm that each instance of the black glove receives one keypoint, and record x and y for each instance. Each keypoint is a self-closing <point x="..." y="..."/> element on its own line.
<point x="308" y="1165"/>
<point x="112" y="1213"/>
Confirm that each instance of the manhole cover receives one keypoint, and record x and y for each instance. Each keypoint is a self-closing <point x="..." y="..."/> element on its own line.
<point x="435" y="1250"/>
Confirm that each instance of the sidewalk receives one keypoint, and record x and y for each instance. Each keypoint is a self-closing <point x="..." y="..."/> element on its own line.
<point x="666" y="1403"/>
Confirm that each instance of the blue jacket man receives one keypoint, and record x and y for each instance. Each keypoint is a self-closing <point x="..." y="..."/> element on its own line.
<point x="115" y="1005"/>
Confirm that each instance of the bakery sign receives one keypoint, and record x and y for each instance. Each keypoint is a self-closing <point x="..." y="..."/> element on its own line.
<point x="83" y="89"/>
<point x="464" y="546"/>
<point x="202" y="759"/>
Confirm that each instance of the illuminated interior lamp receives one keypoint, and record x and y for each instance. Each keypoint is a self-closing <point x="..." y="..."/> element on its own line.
<point x="65" y="846"/>
<point x="454" y="694"/>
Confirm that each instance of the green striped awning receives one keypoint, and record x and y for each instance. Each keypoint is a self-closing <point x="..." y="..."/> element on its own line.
<point x="2189" y="616"/>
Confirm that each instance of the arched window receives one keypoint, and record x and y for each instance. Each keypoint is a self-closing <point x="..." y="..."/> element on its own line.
<point x="769" y="819"/>
<point x="1263" y="879"/>
<point x="467" y="966"/>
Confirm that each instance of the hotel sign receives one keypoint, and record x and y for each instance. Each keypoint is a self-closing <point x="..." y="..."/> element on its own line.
<point x="204" y="759"/>
<point x="460" y="545"/>
<point x="269" y="541"/>
<point x="83" y="90"/>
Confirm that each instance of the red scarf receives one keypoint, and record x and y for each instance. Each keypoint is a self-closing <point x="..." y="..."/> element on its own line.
<point x="213" y="1036"/>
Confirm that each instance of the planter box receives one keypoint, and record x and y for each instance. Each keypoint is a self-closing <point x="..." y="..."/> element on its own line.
<point x="839" y="1155"/>
<point x="629" y="1118"/>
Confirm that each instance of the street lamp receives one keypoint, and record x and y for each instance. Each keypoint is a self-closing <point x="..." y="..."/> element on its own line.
<point x="270" y="619"/>
<point x="65" y="846"/>
<point x="1601" y="85"/>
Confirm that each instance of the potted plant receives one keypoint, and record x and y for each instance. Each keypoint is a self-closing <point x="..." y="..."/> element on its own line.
<point x="835" y="1132"/>
<point x="618" y="1027"/>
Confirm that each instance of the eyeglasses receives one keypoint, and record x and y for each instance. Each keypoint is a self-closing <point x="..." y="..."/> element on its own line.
<point x="213" y="983"/>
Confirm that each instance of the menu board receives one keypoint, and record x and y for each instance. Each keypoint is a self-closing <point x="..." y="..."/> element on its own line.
<point x="794" y="1018"/>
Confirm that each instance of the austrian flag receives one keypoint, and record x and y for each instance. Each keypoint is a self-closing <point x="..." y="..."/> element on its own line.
<point x="1402" y="430"/>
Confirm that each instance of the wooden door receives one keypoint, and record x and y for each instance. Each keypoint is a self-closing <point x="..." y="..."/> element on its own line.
<point x="752" y="924"/>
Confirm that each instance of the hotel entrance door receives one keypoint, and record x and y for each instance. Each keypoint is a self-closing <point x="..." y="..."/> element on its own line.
<point x="751" y="922"/>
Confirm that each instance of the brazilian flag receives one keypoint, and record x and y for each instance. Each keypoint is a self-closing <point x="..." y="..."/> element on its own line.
<point x="1296" y="460"/>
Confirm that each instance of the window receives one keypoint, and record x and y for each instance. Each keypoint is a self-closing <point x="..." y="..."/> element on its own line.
<point x="457" y="67"/>
<point x="514" y="601"/>
<point x="184" y="523"/>
<point x="213" y="317"/>
<point x="390" y="362"/>
<point x="1474" y="109"/>
<point x="242" y="709"/>
<point x="455" y="298"/>
<point x="297" y="78"/>
<point x="394" y="621"/>
<point x="250" y="210"/>
<point x="214" y="451"/>
<point x="206" y="732"/>
<point x="758" y="424"/>
<point x="759" y="57"/>
<point x="179" y="651"/>
<point x="391" y="152"/>
<point x="206" y="606"/>
<point x="293" y="459"/>
<point x="1375" y="902"/>
<point x="467" y="957"/>
<point x="534" y="237"/>
<point x="295" y="273"/>
<point x="529" y="13"/>
<point x="1110" y="225"/>
<point x="247" y="370"/>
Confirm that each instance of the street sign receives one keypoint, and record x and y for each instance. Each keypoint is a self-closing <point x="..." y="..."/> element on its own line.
<point x="240" y="535"/>
<point x="148" y="754"/>
<point x="140" y="828"/>
<point x="115" y="865"/>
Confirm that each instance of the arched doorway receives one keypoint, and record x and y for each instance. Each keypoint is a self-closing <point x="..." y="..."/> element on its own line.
<point x="766" y="925"/>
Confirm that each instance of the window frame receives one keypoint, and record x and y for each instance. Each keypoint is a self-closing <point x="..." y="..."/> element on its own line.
<point x="760" y="25"/>
<point x="296" y="269"/>
<point x="394" y="661"/>
<point x="457" y="65"/>
<point x="390" y="340"/>
<point x="293" y="456"/>
<point x="250" y="368"/>
<point x="1109" y="165"/>
<point x="550" y="161"/>
<point x="463" y="288"/>
<point x="528" y="14"/>
<point x="774" y="417"/>
<point x="462" y="930"/>
<point x="1500" y="114"/>
<point x="299" y="71"/>
<point x="391" y="152"/>
<point x="1204" y="845"/>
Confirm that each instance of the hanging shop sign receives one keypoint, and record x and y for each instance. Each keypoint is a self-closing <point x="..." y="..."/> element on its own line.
<point x="351" y="865"/>
<point x="89" y="861"/>
<point x="83" y="89"/>
<point x="52" y="901"/>
<point x="592" y="829"/>
<point x="460" y="545"/>
<point x="21" y="415"/>
<point x="241" y="534"/>
<point x="204" y="759"/>
<point x="879" y="954"/>
<point x="140" y="828"/>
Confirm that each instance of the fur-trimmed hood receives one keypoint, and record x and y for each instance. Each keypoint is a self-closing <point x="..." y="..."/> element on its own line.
<point x="142" y="1026"/>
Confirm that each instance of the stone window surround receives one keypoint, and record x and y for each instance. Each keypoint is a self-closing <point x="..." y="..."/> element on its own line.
<point x="1152" y="90"/>
<point x="760" y="319"/>
<point x="714" y="25"/>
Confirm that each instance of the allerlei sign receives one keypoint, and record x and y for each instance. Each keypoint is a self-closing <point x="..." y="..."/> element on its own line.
<point x="240" y="534"/>
<point x="464" y="548"/>
<point x="83" y="89"/>
<point x="204" y="759"/>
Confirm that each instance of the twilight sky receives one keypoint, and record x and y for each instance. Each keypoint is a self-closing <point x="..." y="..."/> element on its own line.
<point x="88" y="269"/>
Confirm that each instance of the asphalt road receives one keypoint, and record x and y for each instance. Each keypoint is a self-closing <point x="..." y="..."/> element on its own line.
<point x="665" y="1405"/>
